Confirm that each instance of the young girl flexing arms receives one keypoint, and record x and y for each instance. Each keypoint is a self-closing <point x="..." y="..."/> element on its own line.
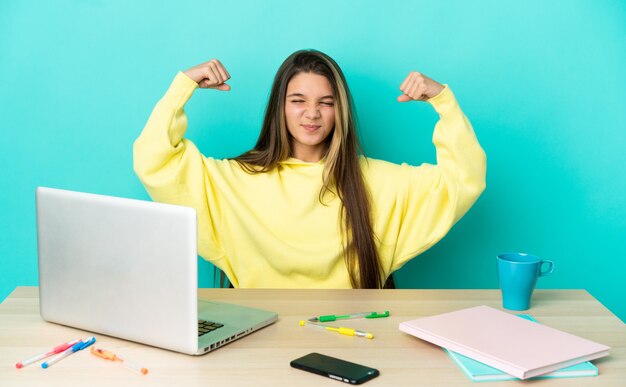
<point x="303" y="208"/>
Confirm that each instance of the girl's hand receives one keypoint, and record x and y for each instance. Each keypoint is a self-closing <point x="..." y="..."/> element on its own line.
<point x="210" y="75"/>
<point x="418" y="87"/>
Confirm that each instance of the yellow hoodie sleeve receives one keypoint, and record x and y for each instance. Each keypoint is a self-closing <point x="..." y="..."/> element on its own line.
<point x="414" y="207"/>
<point x="172" y="169"/>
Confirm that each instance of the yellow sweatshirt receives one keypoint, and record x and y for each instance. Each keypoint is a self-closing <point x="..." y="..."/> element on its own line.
<point x="269" y="230"/>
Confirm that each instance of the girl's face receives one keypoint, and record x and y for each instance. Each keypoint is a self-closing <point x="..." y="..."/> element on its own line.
<point x="310" y="115"/>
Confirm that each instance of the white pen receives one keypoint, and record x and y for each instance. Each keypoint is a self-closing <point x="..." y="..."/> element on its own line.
<point x="53" y="351"/>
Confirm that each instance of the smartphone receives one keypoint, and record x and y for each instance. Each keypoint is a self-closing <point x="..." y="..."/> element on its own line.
<point x="334" y="368"/>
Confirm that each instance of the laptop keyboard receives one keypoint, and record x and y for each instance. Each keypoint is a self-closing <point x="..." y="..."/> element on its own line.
<point x="205" y="327"/>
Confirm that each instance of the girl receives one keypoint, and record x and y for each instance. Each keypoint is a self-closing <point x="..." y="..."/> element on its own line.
<point x="303" y="209"/>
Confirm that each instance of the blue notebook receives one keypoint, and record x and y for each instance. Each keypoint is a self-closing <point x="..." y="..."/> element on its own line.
<point x="479" y="372"/>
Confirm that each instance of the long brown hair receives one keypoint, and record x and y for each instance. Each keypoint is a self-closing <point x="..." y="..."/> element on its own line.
<point x="342" y="171"/>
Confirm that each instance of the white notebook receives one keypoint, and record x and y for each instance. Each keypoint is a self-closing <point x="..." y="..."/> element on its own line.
<point x="504" y="341"/>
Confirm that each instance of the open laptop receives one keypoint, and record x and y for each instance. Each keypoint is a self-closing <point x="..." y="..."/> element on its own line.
<point x="128" y="268"/>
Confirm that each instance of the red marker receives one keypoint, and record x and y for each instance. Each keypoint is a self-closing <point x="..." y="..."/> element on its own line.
<point x="53" y="351"/>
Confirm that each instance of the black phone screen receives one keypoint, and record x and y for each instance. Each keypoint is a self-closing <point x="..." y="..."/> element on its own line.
<point x="334" y="368"/>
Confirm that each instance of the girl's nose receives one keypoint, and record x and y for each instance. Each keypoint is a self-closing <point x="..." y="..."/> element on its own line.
<point x="312" y="112"/>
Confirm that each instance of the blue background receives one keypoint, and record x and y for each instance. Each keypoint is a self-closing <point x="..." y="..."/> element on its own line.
<point x="542" y="82"/>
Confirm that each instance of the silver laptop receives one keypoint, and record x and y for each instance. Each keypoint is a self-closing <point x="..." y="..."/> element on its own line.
<point x="128" y="268"/>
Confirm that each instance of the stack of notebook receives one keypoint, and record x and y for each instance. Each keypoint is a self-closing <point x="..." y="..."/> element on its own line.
<point x="515" y="346"/>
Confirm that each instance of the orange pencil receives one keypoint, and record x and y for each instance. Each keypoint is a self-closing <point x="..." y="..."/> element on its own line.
<point x="103" y="353"/>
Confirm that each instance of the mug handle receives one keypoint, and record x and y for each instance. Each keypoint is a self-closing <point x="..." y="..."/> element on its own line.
<point x="543" y="273"/>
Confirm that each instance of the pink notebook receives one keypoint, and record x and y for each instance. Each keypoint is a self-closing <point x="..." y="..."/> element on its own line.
<point x="504" y="341"/>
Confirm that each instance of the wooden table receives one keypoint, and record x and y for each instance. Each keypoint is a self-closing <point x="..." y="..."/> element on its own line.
<point x="262" y="359"/>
